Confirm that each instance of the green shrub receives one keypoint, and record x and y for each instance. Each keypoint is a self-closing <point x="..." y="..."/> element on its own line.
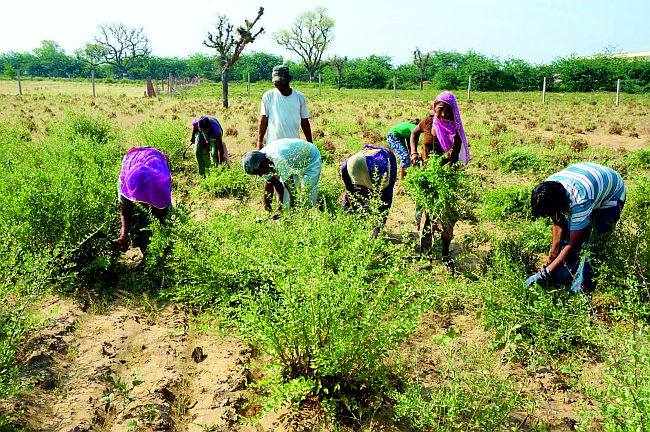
<point x="97" y="129"/>
<point x="519" y="160"/>
<point x="225" y="181"/>
<point x="326" y="300"/>
<point x="624" y="395"/>
<point x="442" y="190"/>
<point x="506" y="202"/>
<point x="168" y="136"/>
<point x="640" y="159"/>
<point x="467" y="395"/>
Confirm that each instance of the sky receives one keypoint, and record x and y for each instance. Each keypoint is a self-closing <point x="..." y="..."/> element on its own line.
<point x="538" y="31"/>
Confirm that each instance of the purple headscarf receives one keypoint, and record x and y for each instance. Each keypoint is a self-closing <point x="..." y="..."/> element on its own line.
<point x="145" y="177"/>
<point x="446" y="130"/>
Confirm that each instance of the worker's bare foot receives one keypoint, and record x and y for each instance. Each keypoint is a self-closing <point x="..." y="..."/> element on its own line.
<point x="121" y="243"/>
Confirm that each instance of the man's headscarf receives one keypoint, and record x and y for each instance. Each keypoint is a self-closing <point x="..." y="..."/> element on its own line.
<point x="145" y="177"/>
<point x="446" y="130"/>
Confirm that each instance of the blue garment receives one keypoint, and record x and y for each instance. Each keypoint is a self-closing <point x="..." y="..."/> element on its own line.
<point x="373" y="168"/>
<point x="589" y="187"/>
<point x="295" y="160"/>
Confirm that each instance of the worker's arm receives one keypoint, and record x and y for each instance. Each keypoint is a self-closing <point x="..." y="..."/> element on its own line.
<point x="558" y="230"/>
<point x="219" y="145"/>
<point x="571" y="250"/>
<point x="306" y="129"/>
<point x="413" y="141"/>
<point x="263" y="125"/>
<point x="347" y="181"/>
<point x="126" y="212"/>
<point x="195" y="129"/>
<point x="455" y="151"/>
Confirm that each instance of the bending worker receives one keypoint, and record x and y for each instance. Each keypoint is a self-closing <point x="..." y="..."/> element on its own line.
<point x="145" y="180"/>
<point x="207" y="135"/>
<point x="286" y="164"/>
<point x="579" y="197"/>
<point x="372" y="172"/>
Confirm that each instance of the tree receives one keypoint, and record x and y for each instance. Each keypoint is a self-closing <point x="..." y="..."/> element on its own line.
<point x="309" y="37"/>
<point x="230" y="49"/>
<point x="51" y="61"/>
<point x="339" y="63"/>
<point x="92" y="55"/>
<point x="124" y="45"/>
<point x="421" y="61"/>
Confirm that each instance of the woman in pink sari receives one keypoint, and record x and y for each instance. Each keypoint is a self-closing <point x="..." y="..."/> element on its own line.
<point x="444" y="135"/>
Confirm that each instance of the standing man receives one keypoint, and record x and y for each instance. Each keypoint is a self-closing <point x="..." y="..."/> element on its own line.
<point x="575" y="199"/>
<point x="284" y="111"/>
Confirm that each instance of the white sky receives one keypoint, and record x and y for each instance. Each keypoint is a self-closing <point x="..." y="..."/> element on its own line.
<point x="535" y="30"/>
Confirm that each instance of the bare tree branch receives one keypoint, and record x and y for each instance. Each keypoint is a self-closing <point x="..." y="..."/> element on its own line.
<point x="123" y="45"/>
<point x="230" y="43"/>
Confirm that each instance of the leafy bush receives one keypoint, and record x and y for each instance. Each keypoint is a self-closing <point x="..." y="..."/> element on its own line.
<point x="314" y="291"/>
<point x="519" y="160"/>
<point x="442" y="190"/>
<point x="467" y="396"/>
<point x="624" y="397"/>
<point x="170" y="137"/>
<point x="96" y="129"/>
<point x="225" y="181"/>
<point x="506" y="202"/>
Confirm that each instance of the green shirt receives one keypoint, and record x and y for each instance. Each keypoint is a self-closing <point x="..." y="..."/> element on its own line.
<point x="402" y="130"/>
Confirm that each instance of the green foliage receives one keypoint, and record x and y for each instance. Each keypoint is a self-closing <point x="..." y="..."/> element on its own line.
<point x="624" y="396"/>
<point x="225" y="181"/>
<point x="469" y="396"/>
<point x="96" y="129"/>
<point x="326" y="300"/>
<point x="442" y="190"/>
<point x="519" y="160"/>
<point x="170" y="137"/>
<point x="506" y="203"/>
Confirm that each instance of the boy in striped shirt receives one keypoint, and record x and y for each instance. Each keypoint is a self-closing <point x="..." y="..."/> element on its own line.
<point x="589" y="195"/>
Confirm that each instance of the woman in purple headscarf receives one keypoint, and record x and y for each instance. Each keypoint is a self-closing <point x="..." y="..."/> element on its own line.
<point x="144" y="178"/>
<point x="443" y="132"/>
<point x="444" y="136"/>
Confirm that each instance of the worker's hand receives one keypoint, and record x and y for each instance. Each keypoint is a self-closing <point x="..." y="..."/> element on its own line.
<point x="121" y="243"/>
<point x="415" y="157"/>
<point x="533" y="279"/>
<point x="542" y="275"/>
<point x="275" y="216"/>
<point x="553" y="253"/>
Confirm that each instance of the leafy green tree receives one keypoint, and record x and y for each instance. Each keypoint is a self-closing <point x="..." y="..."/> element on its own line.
<point x="51" y="61"/>
<point x="309" y="37"/>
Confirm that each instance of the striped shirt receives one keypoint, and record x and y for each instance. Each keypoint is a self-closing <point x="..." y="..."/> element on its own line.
<point x="589" y="187"/>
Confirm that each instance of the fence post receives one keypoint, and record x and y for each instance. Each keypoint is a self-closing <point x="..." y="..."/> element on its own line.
<point x="394" y="86"/>
<point x="320" y="82"/>
<point x="248" y="84"/>
<point x="20" y="85"/>
<point x="469" y="88"/>
<point x="92" y="78"/>
<point x="169" y="84"/>
<point x="618" y="91"/>
<point x="544" y="91"/>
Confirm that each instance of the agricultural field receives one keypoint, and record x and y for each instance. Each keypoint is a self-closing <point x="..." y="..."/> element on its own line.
<point x="233" y="321"/>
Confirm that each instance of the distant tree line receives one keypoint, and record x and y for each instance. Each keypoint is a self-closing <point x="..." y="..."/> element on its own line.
<point x="443" y="69"/>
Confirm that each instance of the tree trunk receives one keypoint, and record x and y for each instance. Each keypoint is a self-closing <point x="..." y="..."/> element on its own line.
<point x="92" y="77"/>
<point x="224" y="87"/>
<point x="421" y="80"/>
<point x="338" y="80"/>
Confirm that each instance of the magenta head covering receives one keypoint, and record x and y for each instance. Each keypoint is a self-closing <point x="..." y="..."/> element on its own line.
<point x="145" y="177"/>
<point x="446" y="130"/>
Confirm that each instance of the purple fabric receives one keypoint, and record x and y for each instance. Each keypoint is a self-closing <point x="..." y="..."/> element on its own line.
<point x="446" y="130"/>
<point x="145" y="177"/>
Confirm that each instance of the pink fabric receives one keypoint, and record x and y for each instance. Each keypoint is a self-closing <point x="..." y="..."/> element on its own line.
<point x="446" y="130"/>
<point x="145" y="177"/>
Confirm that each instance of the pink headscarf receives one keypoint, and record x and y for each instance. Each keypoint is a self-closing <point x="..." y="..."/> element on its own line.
<point x="446" y="130"/>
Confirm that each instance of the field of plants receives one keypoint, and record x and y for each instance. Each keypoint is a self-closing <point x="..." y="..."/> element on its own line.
<point x="234" y="321"/>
